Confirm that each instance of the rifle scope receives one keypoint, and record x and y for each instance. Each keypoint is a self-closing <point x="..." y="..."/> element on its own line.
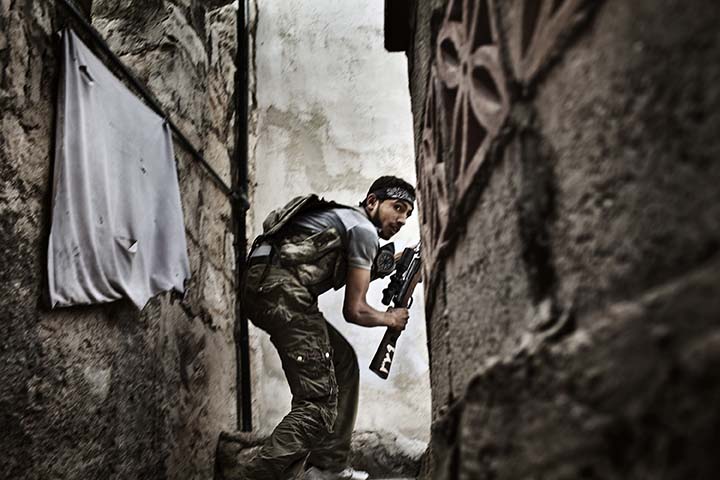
<point x="396" y="280"/>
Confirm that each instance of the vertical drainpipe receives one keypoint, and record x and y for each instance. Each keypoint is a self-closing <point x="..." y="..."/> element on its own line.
<point x="240" y="207"/>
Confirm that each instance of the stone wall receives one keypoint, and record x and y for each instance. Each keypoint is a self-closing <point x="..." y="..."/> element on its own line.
<point x="107" y="391"/>
<point x="331" y="113"/>
<point x="566" y="153"/>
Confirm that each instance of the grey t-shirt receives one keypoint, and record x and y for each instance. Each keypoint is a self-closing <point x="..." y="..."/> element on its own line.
<point x="359" y="234"/>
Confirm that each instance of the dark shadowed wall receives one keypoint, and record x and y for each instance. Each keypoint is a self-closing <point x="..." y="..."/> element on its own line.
<point x="567" y="156"/>
<point x="107" y="391"/>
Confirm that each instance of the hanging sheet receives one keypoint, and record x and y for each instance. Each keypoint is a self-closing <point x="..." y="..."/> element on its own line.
<point x="117" y="225"/>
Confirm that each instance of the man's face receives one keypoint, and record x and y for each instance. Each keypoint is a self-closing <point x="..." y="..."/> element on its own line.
<point x="389" y="216"/>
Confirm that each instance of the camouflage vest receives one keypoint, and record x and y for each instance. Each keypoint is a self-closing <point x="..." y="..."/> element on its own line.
<point x="318" y="260"/>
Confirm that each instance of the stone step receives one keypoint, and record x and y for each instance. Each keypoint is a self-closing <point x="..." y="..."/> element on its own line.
<point x="384" y="455"/>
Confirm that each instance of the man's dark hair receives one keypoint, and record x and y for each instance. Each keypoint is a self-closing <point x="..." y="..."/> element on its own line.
<point x="388" y="181"/>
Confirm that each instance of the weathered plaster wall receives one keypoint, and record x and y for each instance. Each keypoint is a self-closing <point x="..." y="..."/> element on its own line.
<point x="106" y="391"/>
<point x="570" y="186"/>
<point x="331" y="115"/>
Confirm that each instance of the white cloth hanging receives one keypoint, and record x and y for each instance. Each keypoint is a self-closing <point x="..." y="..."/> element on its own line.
<point x="117" y="224"/>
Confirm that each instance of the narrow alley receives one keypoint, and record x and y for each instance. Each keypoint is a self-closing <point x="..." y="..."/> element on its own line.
<point x="543" y="200"/>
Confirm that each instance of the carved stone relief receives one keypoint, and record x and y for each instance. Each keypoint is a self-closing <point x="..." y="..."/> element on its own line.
<point x="473" y="88"/>
<point x="468" y="103"/>
<point x="538" y="29"/>
<point x="432" y="178"/>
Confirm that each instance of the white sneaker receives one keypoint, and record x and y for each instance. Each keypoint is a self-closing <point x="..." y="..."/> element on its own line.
<point x="314" y="473"/>
<point x="351" y="474"/>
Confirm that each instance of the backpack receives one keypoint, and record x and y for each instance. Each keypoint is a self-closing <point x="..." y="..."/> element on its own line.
<point x="280" y="217"/>
<point x="299" y="251"/>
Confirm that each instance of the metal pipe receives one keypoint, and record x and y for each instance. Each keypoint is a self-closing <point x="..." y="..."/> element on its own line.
<point x="240" y="174"/>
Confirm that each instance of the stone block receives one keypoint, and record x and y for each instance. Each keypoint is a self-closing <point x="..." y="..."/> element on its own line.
<point x="625" y="396"/>
<point x="631" y="112"/>
<point x="215" y="223"/>
<point x="192" y="181"/>
<point x="486" y="285"/>
<point x="218" y="297"/>
<point x="230" y="253"/>
<point x="222" y="45"/>
<point x="438" y="339"/>
<point x="386" y="455"/>
<point x="217" y="155"/>
<point x="204" y="377"/>
<point x="381" y="454"/>
<point x="163" y="49"/>
<point x="195" y="257"/>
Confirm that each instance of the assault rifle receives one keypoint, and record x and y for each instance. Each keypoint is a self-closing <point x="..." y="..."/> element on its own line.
<point x="399" y="291"/>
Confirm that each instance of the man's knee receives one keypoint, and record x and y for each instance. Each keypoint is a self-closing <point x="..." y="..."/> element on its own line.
<point x="319" y="415"/>
<point x="314" y="387"/>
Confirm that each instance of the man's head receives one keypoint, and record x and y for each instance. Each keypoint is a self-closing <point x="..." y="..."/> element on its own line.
<point x="389" y="203"/>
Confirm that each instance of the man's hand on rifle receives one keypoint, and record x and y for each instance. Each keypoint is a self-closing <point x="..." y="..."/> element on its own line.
<point x="398" y="293"/>
<point x="397" y="318"/>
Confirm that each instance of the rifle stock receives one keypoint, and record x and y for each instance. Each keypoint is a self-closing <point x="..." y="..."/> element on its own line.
<point x="382" y="361"/>
<point x="383" y="358"/>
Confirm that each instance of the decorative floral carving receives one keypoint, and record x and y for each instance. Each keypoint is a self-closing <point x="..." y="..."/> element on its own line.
<point x="474" y="94"/>
<point x="468" y="104"/>
<point x="431" y="175"/>
<point x="537" y="27"/>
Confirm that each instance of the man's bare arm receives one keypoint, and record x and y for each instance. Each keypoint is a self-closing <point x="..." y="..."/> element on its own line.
<point x="356" y="309"/>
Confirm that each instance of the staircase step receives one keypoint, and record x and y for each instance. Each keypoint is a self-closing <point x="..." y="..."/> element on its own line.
<point x="384" y="455"/>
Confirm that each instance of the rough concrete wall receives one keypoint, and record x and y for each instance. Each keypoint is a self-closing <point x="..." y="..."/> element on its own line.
<point x="106" y="391"/>
<point x="331" y="114"/>
<point x="570" y="198"/>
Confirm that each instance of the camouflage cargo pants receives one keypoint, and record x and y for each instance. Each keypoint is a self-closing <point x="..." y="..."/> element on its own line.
<point x="321" y="368"/>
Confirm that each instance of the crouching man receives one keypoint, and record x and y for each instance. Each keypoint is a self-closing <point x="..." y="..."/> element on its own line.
<point x="308" y="247"/>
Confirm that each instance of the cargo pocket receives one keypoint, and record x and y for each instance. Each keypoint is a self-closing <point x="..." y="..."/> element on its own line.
<point x="315" y="375"/>
<point x="314" y="380"/>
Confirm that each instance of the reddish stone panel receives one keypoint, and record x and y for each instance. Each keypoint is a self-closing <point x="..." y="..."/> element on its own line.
<point x="473" y="89"/>
<point x="434" y="209"/>
<point x="537" y="29"/>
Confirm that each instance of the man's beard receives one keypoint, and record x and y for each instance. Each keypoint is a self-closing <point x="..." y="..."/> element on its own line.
<point x="375" y="219"/>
